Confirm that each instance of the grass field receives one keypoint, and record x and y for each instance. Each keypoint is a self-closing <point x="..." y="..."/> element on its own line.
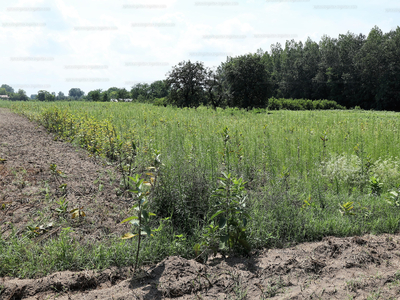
<point x="300" y="167"/>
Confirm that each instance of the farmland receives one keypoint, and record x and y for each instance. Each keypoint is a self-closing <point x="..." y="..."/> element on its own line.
<point x="307" y="174"/>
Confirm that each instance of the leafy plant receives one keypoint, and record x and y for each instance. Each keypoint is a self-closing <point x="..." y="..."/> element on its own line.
<point x="54" y="170"/>
<point x="126" y="157"/>
<point x="140" y="221"/>
<point x="229" y="221"/>
<point x="375" y="185"/>
<point x="346" y="209"/>
<point x="63" y="188"/>
<point x="63" y="206"/>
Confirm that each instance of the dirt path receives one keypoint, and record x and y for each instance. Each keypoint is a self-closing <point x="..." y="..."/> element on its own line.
<point x="337" y="268"/>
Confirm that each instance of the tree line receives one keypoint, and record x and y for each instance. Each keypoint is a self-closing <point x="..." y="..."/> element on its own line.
<point x="351" y="70"/>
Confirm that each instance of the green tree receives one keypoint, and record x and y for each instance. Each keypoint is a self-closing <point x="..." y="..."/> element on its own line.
<point x="113" y="94"/>
<point x="41" y="95"/>
<point x="158" y="89"/>
<point x="140" y="90"/>
<point x="76" y="93"/>
<point x="123" y="93"/>
<point x="94" y="95"/>
<point x="105" y="97"/>
<point x="247" y="81"/>
<point x="60" y="96"/>
<point x="186" y="84"/>
<point x="50" y="97"/>
<point x="8" y="88"/>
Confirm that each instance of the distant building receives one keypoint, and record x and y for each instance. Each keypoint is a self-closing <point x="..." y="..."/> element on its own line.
<point x="4" y="96"/>
<point x="121" y="100"/>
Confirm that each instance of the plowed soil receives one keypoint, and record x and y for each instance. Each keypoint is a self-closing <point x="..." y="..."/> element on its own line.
<point x="364" y="267"/>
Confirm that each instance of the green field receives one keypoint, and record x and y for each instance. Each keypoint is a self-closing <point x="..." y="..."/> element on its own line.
<point x="299" y="166"/>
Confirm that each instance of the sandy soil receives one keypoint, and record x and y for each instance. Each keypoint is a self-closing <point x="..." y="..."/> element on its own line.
<point x="336" y="268"/>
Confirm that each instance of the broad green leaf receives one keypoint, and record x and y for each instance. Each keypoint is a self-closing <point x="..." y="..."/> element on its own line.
<point x="222" y="222"/>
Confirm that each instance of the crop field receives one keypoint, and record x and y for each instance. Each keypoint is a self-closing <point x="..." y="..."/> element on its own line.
<point x="300" y="175"/>
<point x="326" y="158"/>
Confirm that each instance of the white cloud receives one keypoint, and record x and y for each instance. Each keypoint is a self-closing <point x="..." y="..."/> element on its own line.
<point x="116" y="42"/>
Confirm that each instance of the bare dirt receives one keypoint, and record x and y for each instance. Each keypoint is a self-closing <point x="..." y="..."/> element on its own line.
<point x="364" y="267"/>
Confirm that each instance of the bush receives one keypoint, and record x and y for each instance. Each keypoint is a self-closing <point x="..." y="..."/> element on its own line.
<point x="302" y="104"/>
<point x="274" y="104"/>
<point x="160" y="102"/>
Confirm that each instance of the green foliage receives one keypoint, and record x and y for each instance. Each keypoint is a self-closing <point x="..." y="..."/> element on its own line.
<point x="302" y="104"/>
<point x="94" y="95"/>
<point x="141" y="220"/>
<point x="185" y="82"/>
<point x="63" y="206"/>
<point x="76" y="93"/>
<point x="277" y="154"/>
<point x="229" y="219"/>
<point x="160" y="102"/>
<point x="247" y="81"/>
<point x="346" y="209"/>
<point x="375" y="186"/>
<point x="394" y="197"/>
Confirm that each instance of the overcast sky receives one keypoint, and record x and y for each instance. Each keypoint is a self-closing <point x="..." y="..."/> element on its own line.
<point x="60" y="44"/>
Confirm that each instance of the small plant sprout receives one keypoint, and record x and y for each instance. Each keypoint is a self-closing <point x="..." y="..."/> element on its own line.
<point x="77" y="213"/>
<point x="63" y="188"/>
<point x="140" y="221"/>
<point x="346" y="209"/>
<point x="54" y="170"/>
<point x="63" y="206"/>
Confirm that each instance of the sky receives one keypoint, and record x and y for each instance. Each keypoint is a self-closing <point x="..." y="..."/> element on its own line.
<point x="56" y="45"/>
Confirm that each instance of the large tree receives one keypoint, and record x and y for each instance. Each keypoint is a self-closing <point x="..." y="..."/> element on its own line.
<point x="76" y="93"/>
<point x="140" y="90"/>
<point x="60" y="96"/>
<point x="8" y="88"/>
<point x="247" y="81"/>
<point x="46" y="96"/>
<point x="186" y="84"/>
<point x="123" y="94"/>
<point x="94" y="95"/>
